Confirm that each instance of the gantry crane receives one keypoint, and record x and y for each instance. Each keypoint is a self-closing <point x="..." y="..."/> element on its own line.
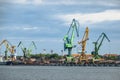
<point x="97" y="45"/>
<point x="32" y="45"/>
<point x="69" y="38"/>
<point x="27" y="51"/>
<point x="83" y="56"/>
<point x="10" y="48"/>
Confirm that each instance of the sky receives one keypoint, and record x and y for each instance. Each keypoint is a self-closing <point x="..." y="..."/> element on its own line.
<point x="47" y="21"/>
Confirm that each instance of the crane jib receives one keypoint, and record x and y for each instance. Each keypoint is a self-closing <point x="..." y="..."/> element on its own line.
<point x="69" y="37"/>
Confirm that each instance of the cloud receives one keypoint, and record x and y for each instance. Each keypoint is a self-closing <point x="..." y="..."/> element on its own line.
<point x="83" y="2"/>
<point x="34" y="2"/>
<point x="112" y="3"/>
<point x="59" y="40"/>
<point x="30" y="28"/>
<point x="65" y="2"/>
<point x="91" y="18"/>
<point x="18" y="28"/>
<point x="20" y="1"/>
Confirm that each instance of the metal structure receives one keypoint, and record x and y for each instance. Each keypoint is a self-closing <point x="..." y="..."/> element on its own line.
<point x="10" y="48"/>
<point x="83" y="44"/>
<point x="69" y="37"/>
<point x="98" y="44"/>
<point x="27" y="51"/>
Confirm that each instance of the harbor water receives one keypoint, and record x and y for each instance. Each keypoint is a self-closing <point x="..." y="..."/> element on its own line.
<point x="58" y="73"/>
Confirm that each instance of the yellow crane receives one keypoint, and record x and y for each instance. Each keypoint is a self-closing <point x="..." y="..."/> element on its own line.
<point x="10" y="48"/>
<point x="83" y="56"/>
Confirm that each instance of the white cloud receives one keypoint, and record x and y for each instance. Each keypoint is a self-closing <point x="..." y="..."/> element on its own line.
<point x="37" y="1"/>
<point x="66" y="2"/>
<point x="14" y="1"/>
<point x="35" y="39"/>
<point x="83" y="2"/>
<point x="30" y="28"/>
<point x="106" y="3"/>
<point x="34" y="2"/>
<point x="91" y="18"/>
<point x="51" y="40"/>
<point x="111" y="3"/>
<point x="20" y="1"/>
<point x="19" y="28"/>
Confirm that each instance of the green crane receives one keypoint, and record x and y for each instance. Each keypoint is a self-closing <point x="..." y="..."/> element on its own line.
<point x="27" y="51"/>
<point x="98" y="45"/>
<point x="69" y="37"/>
<point x="32" y="45"/>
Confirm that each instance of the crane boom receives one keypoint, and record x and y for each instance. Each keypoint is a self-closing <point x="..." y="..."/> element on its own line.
<point x="69" y="38"/>
<point x="9" y="47"/>
<point x="104" y="36"/>
<point x="24" y="49"/>
<point x="20" y="44"/>
<point x="83" y="43"/>
<point x="32" y="45"/>
<point x="84" y="39"/>
<point x="6" y="43"/>
<point x="98" y="45"/>
<point x="27" y="51"/>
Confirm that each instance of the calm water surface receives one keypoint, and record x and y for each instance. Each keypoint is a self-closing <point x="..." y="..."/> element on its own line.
<point x="58" y="73"/>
